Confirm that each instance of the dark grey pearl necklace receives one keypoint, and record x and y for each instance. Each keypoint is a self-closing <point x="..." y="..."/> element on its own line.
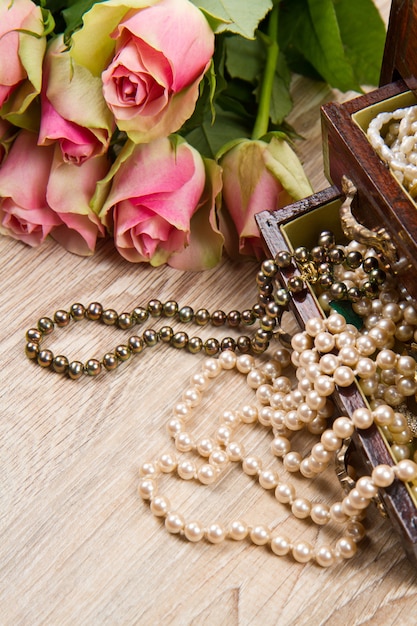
<point x="315" y="267"/>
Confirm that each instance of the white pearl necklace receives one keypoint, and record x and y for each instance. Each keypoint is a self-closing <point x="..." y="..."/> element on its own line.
<point x="284" y="408"/>
<point x="398" y="146"/>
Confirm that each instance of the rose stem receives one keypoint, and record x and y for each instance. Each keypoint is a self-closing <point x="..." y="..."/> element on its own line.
<point x="262" y="118"/>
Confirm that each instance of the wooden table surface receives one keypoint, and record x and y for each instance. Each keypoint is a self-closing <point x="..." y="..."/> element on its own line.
<point x="78" y="545"/>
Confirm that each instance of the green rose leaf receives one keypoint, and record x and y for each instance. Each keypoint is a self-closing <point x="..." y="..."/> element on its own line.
<point x="364" y="42"/>
<point x="311" y="28"/>
<point x="334" y="37"/>
<point x="245" y="58"/>
<point x="281" y="102"/>
<point x="237" y="16"/>
<point x="209" y="138"/>
<point x="73" y="14"/>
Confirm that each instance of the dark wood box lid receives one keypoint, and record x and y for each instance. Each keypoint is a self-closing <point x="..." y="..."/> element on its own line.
<point x="400" y="55"/>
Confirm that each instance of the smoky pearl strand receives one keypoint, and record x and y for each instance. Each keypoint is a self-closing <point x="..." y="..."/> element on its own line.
<point x="150" y="337"/>
<point x="320" y="267"/>
<point x="335" y="272"/>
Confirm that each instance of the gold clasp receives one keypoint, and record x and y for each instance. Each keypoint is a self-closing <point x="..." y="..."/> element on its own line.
<point x="354" y="230"/>
<point x="308" y="272"/>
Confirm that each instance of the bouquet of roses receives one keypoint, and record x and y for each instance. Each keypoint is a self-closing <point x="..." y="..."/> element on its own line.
<point x="162" y="122"/>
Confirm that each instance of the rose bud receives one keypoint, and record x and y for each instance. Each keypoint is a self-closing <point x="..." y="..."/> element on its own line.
<point x="257" y="176"/>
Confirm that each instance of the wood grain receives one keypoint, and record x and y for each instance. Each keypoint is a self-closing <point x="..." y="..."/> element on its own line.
<point x="78" y="546"/>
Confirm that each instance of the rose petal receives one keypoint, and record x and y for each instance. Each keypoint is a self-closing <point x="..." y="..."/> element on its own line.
<point x="11" y="69"/>
<point x="205" y="245"/>
<point x="167" y="180"/>
<point x="132" y="88"/>
<point x="77" y="144"/>
<point x="22" y="47"/>
<point x="78" y="233"/>
<point x="140" y="241"/>
<point x="80" y="179"/>
<point x="30" y="226"/>
<point x="92" y="45"/>
<point x="143" y="128"/>
<point x="284" y="164"/>
<point x="29" y="163"/>
<point x="159" y="25"/>
<point x="73" y="108"/>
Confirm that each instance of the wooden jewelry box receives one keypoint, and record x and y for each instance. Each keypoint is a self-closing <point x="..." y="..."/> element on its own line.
<point x="381" y="201"/>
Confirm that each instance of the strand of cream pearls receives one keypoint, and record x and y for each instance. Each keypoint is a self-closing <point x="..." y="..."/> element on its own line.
<point x="386" y="372"/>
<point x="328" y="352"/>
<point x="393" y="135"/>
<point x="285" y="408"/>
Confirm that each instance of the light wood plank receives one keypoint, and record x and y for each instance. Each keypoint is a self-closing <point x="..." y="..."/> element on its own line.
<point x="78" y="544"/>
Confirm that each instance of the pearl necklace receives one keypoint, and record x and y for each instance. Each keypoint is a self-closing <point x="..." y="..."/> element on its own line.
<point x="284" y="409"/>
<point x="149" y="338"/>
<point x="327" y="266"/>
<point x="398" y="146"/>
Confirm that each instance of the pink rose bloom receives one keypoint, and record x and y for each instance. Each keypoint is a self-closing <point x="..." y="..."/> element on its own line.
<point x="21" y="55"/>
<point x="69" y="193"/>
<point x="161" y="54"/>
<point x="257" y="176"/>
<point x="73" y="110"/>
<point x="54" y="199"/>
<point x="155" y="192"/>
<point x="24" y="212"/>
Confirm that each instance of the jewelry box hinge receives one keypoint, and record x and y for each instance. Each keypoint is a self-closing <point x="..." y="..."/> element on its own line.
<point x="346" y="481"/>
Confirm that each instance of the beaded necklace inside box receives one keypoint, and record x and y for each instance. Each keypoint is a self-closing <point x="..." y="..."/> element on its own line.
<point x="393" y="135"/>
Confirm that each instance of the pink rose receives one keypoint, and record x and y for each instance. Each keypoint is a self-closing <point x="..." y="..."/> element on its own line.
<point x="24" y="212"/>
<point x="160" y="55"/>
<point x="155" y="192"/>
<point x="69" y="193"/>
<point x="73" y="110"/>
<point x="54" y="199"/>
<point x="21" y="55"/>
<point x="257" y="176"/>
